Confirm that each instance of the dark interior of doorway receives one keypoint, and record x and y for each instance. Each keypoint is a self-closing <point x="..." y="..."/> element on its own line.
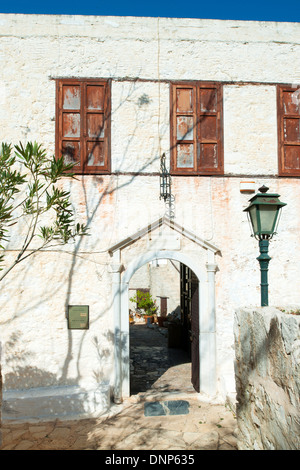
<point x="168" y="363"/>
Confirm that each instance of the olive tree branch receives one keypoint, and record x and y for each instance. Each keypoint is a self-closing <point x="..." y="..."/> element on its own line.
<point x="42" y="196"/>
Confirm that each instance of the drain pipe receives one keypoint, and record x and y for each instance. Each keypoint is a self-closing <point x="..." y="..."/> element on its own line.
<point x="116" y="269"/>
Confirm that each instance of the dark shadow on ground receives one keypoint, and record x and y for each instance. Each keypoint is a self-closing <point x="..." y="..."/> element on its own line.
<point x="153" y="365"/>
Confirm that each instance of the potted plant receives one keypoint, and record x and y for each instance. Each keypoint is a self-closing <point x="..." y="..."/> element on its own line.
<point x="145" y="303"/>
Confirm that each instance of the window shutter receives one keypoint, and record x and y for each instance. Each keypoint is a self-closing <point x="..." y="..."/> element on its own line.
<point x="209" y="129"/>
<point x="289" y="130"/>
<point x="196" y="129"/>
<point x="83" y="125"/>
<point x="68" y="120"/>
<point x="184" y="129"/>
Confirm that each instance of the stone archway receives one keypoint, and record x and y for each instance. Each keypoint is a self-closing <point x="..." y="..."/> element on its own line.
<point x="205" y="272"/>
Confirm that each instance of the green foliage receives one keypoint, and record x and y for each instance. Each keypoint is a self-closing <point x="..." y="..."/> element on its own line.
<point x="294" y="311"/>
<point x="29" y="171"/>
<point x="145" y="302"/>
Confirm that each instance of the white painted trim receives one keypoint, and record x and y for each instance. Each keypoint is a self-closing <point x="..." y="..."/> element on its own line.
<point x="169" y="223"/>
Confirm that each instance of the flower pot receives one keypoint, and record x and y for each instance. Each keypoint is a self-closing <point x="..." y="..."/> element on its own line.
<point x="148" y="319"/>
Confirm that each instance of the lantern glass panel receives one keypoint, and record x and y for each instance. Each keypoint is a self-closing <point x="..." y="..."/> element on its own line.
<point x="253" y="217"/>
<point x="268" y="216"/>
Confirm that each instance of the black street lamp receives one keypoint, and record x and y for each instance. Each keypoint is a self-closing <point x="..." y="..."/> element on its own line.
<point x="165" y="179"/>
<point x="263" y="212"/>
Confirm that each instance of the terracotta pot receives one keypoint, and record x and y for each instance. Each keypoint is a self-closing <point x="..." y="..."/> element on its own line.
<point x="150" y="318"/>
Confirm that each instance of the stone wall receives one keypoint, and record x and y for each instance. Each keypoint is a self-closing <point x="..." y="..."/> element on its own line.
<point x="267" y="344"/>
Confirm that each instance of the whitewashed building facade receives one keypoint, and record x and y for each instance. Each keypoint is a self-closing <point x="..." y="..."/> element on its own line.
<point x="221" y="99"/>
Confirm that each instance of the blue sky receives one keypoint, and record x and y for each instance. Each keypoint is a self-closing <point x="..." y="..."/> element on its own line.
<point x="258" y="10"/>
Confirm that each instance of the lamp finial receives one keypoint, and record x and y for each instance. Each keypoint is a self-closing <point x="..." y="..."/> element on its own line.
<point x="263" y="189"/>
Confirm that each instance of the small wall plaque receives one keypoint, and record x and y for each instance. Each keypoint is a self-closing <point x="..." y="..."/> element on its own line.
<point x="247" y="186"/>
<point x="78" y="317"/>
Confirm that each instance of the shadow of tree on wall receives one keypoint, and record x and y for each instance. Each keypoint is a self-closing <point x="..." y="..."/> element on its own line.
<point x="22" y="375"/>
<point x="20" y="368"/>
<point x="110" y="186"/>
<point x="113" y="187"/>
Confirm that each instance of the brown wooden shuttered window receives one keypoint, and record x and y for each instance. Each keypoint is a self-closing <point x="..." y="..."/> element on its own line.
<point x="83" y="124"/>
<point x="288" y="100"/>
<point x="196" y="129"/>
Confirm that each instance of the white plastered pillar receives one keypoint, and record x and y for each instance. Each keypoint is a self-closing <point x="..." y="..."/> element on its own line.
<point x="116" y="268"/>
<point x="207" y="339"/>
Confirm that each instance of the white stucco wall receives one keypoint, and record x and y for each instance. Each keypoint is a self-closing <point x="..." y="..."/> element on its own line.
<point x="141" y="56"/>
<point x="250" y="129"/>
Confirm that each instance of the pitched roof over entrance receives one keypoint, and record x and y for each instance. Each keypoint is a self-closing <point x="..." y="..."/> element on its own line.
<point x="158" y="223"/>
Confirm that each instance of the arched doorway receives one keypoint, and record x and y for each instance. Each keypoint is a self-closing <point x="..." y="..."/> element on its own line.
<point x="178" y="243"/>
<point x="205" y="345"/>
<point x="164" y="357"/>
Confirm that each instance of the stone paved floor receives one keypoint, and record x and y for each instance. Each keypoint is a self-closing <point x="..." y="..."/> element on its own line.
<point x="206" y="426"/>
<point x="154" y="365"/>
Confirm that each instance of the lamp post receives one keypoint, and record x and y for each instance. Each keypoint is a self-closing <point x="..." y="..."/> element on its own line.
<point x="165" y="179"/>
<point x="263" y="212"/>
<point x="165" y="188"/>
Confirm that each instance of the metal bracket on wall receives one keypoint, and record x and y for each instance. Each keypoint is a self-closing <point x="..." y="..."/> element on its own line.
<point x="165" y="188"/>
